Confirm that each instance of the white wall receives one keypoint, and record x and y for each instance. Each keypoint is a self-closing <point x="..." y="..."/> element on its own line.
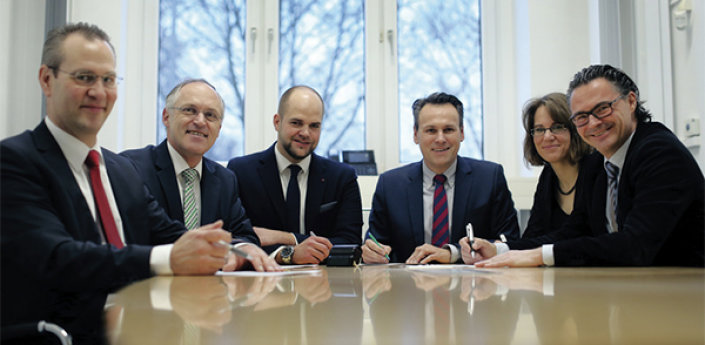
<point x="687" y="52"/>
<point x="21" y="37"/>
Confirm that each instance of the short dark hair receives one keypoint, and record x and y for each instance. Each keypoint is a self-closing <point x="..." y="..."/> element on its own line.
<point x="617" y="78"/>
<point x="284" y="100"/>
<point x="52" y="54"/>
<point x="557" y="106"/>
<point x="174" y="93"/>
<point x="437" y="98"/>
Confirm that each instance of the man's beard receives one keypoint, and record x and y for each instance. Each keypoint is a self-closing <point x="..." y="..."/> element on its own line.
<point x="290" y="151"/>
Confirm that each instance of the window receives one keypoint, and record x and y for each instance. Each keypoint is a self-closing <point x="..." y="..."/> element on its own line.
<point x="206" y="39"/>
<point x="439" y="50"/>
<point x="321" y="44"/>
<point x="330" y="46"/>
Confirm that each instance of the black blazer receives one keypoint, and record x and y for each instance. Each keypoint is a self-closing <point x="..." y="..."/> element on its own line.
<point x="219" y="191"/>
<point x="333" y="204"/>
<point x="540" y="229"/>
<point x="481" y="197"/>
<point x="54" y="267"/>
<point x="660" y="209"/>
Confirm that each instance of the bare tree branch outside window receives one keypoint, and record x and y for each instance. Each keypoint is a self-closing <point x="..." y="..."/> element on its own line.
<point x="321" y="45"/>
<point x="206" y="39"/>
<point x="439" y="50"/>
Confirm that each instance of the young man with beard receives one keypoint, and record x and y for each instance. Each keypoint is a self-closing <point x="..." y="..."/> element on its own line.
<point x="298" y="219"/>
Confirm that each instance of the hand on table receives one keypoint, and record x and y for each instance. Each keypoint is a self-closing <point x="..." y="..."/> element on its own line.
<point x="427" y="253"/>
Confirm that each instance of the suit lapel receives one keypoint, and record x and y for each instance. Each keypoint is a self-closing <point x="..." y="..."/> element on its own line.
<point x="414" y="193"/>
<point x="599" y="204"/>
<point x="463" y="188"/>
<point x="52" y="154"/>
<point x="209" y="192"/>
<point x="167" y="182"/>
<point x="314" y="191"/>
<point x="272" y="183"/>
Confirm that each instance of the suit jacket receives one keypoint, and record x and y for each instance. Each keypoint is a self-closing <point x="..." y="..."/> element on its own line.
<point x="219" y="191"/>
<point x="481" y="197"/>
<point x="660" y="212"/>
<point x="333" y="205"/>
<point x="54" y="266"/>
<point x="541" y="227"/>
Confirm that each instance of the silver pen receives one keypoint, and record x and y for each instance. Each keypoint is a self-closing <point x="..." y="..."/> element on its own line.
<point x="234" y="250"/>
<point x="471" y="238"/>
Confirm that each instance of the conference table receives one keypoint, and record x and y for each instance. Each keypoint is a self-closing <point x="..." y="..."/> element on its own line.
<point x="401" y="304"/>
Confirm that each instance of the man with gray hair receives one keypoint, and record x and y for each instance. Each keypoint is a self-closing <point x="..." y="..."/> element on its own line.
<point x="190" y="187"/>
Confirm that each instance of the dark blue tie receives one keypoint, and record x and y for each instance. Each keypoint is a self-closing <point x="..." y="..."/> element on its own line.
<point x="440" y="213"/>
<point x="612" y="173"/>
<point x="293" y="200"/>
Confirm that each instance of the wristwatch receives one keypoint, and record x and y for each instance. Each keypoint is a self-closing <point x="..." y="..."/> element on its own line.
<point x="287" y="253"/>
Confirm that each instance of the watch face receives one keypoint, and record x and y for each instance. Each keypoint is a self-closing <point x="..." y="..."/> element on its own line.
<point x="287" y="251"/>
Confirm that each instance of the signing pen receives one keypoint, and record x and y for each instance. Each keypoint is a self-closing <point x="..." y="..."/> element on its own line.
<point x="471" y="238"/>
<point x="235" y="251"/>
<point x="379" y="245"/>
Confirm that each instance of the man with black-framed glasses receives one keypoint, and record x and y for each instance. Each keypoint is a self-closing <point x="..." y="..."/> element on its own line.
<point x="646" y="207"/>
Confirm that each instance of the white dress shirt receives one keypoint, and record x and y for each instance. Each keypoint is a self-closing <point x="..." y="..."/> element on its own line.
<point x="75" y="152"/>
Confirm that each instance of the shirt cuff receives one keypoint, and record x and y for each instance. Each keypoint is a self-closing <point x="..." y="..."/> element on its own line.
<point x="501" y="247"/>
<point x="547" y="253"/>
<point x="159" y="259"/>
<point x="454" y="253"/>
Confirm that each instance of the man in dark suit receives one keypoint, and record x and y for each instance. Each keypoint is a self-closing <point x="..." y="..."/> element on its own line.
<point x="462" y="190"/>
<point x="193" y="117"/>
<point x="646" y="206"/>
<point x="327" y="209"/>
<point x="63" y="250"/>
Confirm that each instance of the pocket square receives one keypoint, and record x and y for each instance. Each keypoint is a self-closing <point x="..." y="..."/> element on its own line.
<point x="327" y="206"/>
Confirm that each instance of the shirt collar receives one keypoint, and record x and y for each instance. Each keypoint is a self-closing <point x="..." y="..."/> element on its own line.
<point x="621" y="154"/>
<point x="428" y="174"/>
<point x="75" y="151"/>
<point x="180" y="163"/>
<point x="283" y="163"/>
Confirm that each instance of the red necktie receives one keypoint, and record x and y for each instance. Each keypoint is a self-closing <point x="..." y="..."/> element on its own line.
<point x="106" y="216"/>
<point x="440" y="213"/>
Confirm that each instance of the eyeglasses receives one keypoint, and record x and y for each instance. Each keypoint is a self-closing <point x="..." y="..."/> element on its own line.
<point x="556" y="129"/>
<point x="600" y="111"/>
<point x="87" y="78"/>
<point x="211" y="116"/>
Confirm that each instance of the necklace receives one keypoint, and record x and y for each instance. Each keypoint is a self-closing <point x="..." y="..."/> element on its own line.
<point x="569" y="191"/>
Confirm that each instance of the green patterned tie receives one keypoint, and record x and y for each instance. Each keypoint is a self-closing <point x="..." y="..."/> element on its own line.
<point x="190" y="207"/>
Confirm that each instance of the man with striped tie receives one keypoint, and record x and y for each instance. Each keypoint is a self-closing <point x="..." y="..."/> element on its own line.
<point x="190" y="187"/>
<point x="420" y="211"/>
<point x="647" y="206"/>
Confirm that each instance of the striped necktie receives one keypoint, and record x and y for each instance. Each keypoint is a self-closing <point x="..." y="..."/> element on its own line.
<point x="440" y="213"/>
<point x="191" y="218"/>
<point x="613" y="186"/>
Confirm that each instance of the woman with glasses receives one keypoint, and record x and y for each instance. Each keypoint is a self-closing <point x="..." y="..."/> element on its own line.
<point x="552" y="141"/>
